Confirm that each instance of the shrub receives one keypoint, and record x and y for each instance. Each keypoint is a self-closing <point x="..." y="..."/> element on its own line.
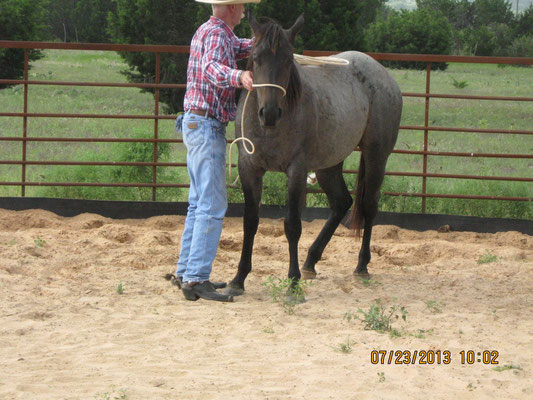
<point x="417" y="32"/>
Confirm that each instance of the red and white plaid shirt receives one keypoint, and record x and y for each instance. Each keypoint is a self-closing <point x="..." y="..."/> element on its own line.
<point x="212" y="73"/>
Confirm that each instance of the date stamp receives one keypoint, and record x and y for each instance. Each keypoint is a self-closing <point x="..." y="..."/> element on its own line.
<point x="433" y="357"/>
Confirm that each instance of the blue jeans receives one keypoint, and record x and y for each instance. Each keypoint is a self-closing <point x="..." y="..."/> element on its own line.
<point x="205" y="139"/>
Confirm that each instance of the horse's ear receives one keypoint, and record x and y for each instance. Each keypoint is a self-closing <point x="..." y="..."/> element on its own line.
<point x="253" y="22"/>
<point x="296" y="28"/>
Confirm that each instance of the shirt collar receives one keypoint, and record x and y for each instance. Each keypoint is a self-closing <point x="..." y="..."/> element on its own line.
<point x="222" y="24"/>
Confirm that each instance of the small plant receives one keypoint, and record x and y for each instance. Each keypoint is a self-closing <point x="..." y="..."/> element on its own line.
<point x="377" y="318"/>
<point x="507" y="367"/>
<point x="12" y="242"/>
<point x="421" y="333"/>
<point x="345" y="347"/>
<point x="268" y="330"/>
<point x="459" y="84"/>
<point x="287" y="293"/>
<point x="487" y="258"/>
<point x="434" y="306"/>
<point x="120" y="288"/>
<point x="120" y="395"/>
<point x="368" y="282"/>
<point x="39" y="242"/>
<point x="381" y="377"/>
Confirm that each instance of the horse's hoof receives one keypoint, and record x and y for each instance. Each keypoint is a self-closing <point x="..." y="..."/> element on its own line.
<point x="233" y="291"/>
<point x="308" y="275"/>
<point x="361" y="273"/>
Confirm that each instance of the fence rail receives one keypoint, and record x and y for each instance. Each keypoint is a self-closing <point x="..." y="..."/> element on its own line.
<point x="157" y="50"/>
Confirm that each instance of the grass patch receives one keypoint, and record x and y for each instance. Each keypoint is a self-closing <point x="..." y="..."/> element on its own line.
<point x="120" y="289"/>
<point x="487" y="258"/>
<point x="434" y="306"/>
<point x="507" y="367"/>
<point x="345" y="347"/>
<point x="378" y="318"/>
<point x="287" y="293"/>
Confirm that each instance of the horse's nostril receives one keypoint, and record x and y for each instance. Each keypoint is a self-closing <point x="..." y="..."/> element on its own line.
<point x="279" y="112"/>
<point x="262" y="112"/>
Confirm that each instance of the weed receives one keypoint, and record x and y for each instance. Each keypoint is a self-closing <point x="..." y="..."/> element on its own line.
<point x="378" y="319"/>
<point x="470" y="387"/>
<point x="421" y="333"/>
<point x="487" y="258"/>
<point x="459" y="84"/>
<point x="345" y="347"/>
<point x="12" y="242"/>
<point x="120" y="395"/>
<point x="434" y="306"/>
<point x="120" y="288"/>
<point x="39" y="242"/>
<point x="287" y="293"/>
<point x="507" y="367"/>
<point x="381" y="377"/>
<point x="368" y="282"/>
<point x="268" y="330"/>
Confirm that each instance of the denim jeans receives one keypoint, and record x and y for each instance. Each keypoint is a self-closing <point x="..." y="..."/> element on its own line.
<point x="205" y="139"/>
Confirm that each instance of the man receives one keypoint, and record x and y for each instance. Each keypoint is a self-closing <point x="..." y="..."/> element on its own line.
<point x="209" y="104"/>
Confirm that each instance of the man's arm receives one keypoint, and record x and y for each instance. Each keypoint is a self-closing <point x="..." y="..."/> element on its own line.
<point x="214" y="63"/>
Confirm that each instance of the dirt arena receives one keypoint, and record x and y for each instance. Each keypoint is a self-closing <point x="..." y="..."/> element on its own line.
<point x="66" y="333"/>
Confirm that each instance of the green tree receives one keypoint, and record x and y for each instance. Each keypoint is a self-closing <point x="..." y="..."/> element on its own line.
<point x="421" y="31"/>
<point x="19" y="20"/>
<point x="524" y="25"/>
<point x="79" y="20"/>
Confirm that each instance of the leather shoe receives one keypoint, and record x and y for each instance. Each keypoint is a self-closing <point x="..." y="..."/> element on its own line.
<point x="179" y="282"/>
<point x="203" y="290"/>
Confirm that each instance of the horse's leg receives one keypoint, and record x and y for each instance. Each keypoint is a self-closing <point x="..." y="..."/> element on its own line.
<point x="332" y="182"/>
<point x="297" y="176"/>
<point x="252" y="184"/>
<point x="373" y="163"/>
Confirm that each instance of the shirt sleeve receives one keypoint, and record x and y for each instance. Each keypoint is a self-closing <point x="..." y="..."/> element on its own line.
<point x="243" y="48"/>
<point x="215" y="62"/>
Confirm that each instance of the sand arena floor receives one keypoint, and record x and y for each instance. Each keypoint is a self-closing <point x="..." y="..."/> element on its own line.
<point x="65" y="332"/>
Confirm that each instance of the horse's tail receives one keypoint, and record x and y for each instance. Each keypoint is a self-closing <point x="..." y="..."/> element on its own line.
<point x="357" y="219"/>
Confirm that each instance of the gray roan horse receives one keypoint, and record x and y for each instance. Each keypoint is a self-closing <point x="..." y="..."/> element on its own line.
<point x="327" y="112"/>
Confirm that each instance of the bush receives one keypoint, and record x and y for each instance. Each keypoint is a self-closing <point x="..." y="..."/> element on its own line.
<point x="521" y="47"/>
<point x="417" y="32"/>
<point x="19" y="20"/>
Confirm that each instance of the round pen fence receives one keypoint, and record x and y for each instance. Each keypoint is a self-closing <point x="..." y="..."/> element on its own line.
<point x="424" y="152"/>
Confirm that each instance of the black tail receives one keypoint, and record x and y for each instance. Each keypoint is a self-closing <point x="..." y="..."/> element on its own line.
<point x="356" y="220"/>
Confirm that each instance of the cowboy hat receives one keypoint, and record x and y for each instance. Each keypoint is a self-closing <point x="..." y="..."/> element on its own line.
<point x="227" y="2"/>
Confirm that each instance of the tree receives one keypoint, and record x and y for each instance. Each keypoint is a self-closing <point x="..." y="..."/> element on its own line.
<point x="421" y="31"/>
<point x="524" y="24"/>
<point x="329" y="25"/>
<point x="80" y="20"/>
<point x="19" y="20"/>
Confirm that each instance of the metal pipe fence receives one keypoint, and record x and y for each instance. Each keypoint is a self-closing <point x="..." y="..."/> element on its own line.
<point x="156" y="117"/>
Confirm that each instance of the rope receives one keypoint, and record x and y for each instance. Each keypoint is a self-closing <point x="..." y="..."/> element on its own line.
<point x="242" y="138"/>
<point x="300" y="59"/>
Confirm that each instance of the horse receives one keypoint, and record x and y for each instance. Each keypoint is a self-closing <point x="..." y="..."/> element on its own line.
<point x="312" y="121"/>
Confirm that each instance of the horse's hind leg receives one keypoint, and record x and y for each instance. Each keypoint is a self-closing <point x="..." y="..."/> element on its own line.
<point x="373" y="165"/>
<point x="332" y="182"/>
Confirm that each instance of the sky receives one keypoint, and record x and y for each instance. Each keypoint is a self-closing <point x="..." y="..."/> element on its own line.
<point x="411" y="4"/>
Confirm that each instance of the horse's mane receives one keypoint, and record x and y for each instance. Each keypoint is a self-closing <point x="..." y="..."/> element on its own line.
<point x="275" y="38"/>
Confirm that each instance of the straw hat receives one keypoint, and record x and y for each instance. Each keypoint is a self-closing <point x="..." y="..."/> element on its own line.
<point x="227" y="2"/>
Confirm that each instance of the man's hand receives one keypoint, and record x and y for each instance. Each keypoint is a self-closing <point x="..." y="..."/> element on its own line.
<point x="247" y="80"/>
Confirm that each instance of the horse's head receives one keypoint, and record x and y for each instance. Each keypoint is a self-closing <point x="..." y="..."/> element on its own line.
<point x="272" y="63"/>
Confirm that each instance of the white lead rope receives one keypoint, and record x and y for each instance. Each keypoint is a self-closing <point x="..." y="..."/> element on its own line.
<point x="242" y="138"/>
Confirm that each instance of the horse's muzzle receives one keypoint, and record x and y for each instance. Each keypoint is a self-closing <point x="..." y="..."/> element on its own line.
<point x="269" y="116"/>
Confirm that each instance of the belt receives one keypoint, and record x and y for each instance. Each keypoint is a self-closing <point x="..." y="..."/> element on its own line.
<point x="202" y="113"/>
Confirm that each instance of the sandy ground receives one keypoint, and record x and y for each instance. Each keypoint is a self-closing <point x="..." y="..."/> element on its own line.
<point x="66" y="333"/>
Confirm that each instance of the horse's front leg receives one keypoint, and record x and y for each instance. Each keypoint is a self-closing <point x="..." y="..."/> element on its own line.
<point x="296" y="175"/>
<point x="252" y="185"/>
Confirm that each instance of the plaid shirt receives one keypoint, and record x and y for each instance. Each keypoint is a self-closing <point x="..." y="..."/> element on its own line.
<point x="212" y="73"/>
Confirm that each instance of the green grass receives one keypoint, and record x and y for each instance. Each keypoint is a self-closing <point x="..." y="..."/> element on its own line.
<point x="473" y="79"/>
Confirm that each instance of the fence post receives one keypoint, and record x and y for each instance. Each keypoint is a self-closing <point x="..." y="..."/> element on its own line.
<point x="426" y="134"/>
<point x="25" y="121"/>
<point x="156" y="124"/>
